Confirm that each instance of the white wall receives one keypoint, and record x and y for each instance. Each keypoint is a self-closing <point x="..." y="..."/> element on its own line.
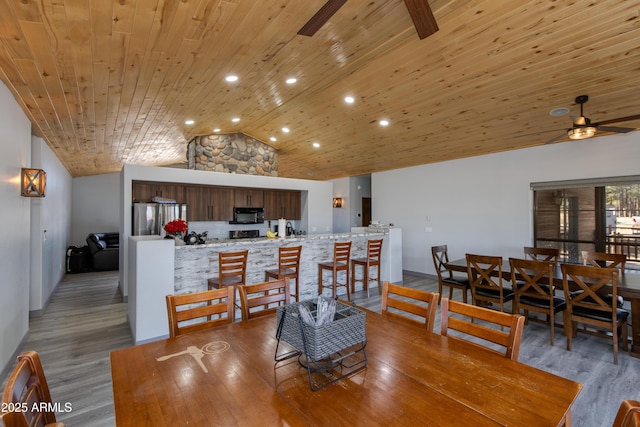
<point x="96" y="206"/>
<point x="50" y="226"/>
<point x="15" y="153"/>
<point x="31" y="266"/>
<point x="316" y="198"/>
<point x="484" y="204"/>
<point x="352" y="190"/>
<point x="341" y="216"/>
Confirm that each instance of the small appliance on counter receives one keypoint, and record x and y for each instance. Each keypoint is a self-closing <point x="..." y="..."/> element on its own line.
<point x="244" y="234"/>
<point x="194" y="238"/>
<point x="285" y="228"/>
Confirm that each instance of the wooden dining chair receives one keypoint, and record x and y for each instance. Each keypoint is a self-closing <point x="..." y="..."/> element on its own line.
<point x="590" y="303"/>
<point x="200" y="310"/>
<point x="27" y="385"/>
<point x="260" y="299"/>
<point x="446" y="277"/>
<point x="374" y="249"/>
<point x="542" y="254"/>
<point x="15" y="419"/>
<point x="602" y="259"/>
<point x="532" y="282"/>
<point x="605" y="260"/>
<point x="628" y="414"/>
<point x="341" y="256"/>
<point x="509" y="340"/>
<point x="485" y="280"/>
<point x="409" y="304"/>
<point x="232" y="270"/>
<point x="288" y="266"/>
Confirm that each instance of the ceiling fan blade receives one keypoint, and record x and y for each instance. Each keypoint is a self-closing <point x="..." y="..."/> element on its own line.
<point x="615" y="129"/>
<point x="618" y="120"/>
<point x="557" y="138"/>
<point x="536" y="133"/>
<point x="321" y="17"/>
<point x="422" y="17"/>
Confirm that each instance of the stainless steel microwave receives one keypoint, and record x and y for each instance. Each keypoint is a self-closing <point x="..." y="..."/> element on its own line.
<point x="248" y="216"/>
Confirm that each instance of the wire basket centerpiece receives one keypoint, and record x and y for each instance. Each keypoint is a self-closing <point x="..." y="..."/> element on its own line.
<point x="328" y="336"/>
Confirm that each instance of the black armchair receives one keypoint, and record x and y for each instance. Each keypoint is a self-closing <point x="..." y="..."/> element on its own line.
<point x="105" y="250"/>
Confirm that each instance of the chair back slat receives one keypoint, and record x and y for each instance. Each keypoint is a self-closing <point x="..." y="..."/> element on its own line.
<point x="374" y="248"/>
<point x="532" y="278"/>
<point x="602" y="259"/>
<point x="412" y="301"/>
<point x="233" y="264"/>
<point x="341" y="252"/>
<point x="510" y="339"/>
<point x="266" y="297"/>
<point x="202" y="310"/>
<point x="289" y="258"/>
<point x="542" y="254"/>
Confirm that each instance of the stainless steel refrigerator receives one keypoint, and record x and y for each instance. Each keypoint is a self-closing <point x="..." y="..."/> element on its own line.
<point x="150" y="218"/>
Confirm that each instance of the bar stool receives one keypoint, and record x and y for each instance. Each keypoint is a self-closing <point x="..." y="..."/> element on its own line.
<point x="232" y="270"/>
<point x="374" y="248"/>
<point x="341" y="255"/>
<point x="288" y="266"/>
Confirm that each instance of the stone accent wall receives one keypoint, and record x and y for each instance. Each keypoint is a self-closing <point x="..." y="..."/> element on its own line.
<point x="232" y="153"/>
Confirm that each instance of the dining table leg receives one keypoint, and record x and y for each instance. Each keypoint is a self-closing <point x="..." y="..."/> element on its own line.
<point x="635" y="327"/>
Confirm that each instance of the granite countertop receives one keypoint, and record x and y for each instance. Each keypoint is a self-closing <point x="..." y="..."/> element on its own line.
<point x="251" y="241"/>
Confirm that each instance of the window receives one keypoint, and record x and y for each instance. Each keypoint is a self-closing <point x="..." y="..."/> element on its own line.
<point x="573" y="216"/>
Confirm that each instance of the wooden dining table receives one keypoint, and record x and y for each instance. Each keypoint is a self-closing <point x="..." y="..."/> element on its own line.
<point x="628" y="288"/>
<point x="227" y="376"/>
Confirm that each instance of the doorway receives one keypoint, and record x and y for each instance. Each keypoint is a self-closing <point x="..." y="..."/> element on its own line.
<point x="366" y="211"/>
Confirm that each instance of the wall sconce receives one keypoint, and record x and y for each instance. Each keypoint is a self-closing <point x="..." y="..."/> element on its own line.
<point x="32" y="182"/>
<point x="338" y="202"/>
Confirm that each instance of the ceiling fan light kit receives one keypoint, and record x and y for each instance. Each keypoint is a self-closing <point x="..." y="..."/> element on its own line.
<point x="583" y="128"/>
<point x="581" y="132"/>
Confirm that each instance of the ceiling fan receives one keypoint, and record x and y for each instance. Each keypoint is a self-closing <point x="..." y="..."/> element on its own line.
<point x="420" y="12"/>
<point x="583" y="128"/>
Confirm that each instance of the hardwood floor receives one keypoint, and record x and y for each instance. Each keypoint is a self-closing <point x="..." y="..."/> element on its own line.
<point x="86" y="319"/>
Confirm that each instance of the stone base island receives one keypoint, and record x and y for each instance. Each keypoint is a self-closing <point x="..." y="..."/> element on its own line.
<point x="159" y="268"/>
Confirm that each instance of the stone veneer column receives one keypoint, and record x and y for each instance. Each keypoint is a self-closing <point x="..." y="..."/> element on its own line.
<point x="233" y="153"/>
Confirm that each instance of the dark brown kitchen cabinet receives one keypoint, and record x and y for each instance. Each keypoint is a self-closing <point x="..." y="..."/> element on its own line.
<point x="209" y="203"/>
<point x="248" y="198"/>
<point x="145" y="191"/>
<point x="282" y="204"/>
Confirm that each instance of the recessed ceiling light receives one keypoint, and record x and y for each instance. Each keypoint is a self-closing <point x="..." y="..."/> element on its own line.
<point x="349" y="99"/>
<point x="316" y="145"/>
<point x="291" y="80"/>
<point x="189" y="122"/>
<point x="231" y="78"/>
<point x="384" y="122"/>
<point x="273" y="139"/>
<point x="285" y="130"/>
<point x="216" y="130"/>
<point x="557" y="112"/>
<point x="235" y="119"/>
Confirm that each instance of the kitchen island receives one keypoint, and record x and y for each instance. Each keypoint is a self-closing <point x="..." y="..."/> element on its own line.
<point x="192" y="265"/>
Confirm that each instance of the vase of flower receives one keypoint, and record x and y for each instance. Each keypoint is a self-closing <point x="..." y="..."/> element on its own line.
<point x="175" y="230"/>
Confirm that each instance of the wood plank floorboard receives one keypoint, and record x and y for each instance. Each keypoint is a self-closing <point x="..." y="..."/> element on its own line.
<point x="87" y="318"/>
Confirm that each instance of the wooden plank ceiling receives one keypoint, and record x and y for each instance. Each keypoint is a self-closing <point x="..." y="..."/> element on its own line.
<point x="112" y="82"/>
